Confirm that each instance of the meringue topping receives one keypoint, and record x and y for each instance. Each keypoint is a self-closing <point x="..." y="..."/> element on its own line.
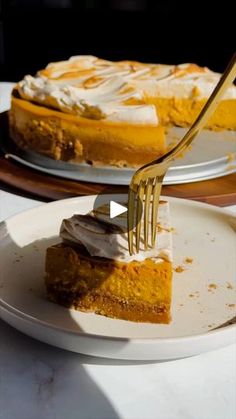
<point x="107" y="100"/>
<point x="116" y="91"/>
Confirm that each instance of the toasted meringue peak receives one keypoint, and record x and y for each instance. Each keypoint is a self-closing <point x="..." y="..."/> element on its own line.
<point x="116" y="91"/>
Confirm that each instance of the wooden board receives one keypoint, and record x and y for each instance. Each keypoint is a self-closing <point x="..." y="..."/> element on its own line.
<point x="221" y="191"/>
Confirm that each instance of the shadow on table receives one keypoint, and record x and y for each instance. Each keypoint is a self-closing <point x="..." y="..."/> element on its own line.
<point x="40" y="381"/>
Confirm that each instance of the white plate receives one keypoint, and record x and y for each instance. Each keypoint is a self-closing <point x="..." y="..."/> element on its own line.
<point x="212" y="155"/>
<point x="204" y="233"/>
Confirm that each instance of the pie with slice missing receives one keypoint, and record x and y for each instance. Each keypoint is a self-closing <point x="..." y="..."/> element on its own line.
<point x="91" y="110"/>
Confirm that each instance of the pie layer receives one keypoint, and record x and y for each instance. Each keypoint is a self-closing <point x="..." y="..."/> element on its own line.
<point x="91" y="110"/>
<point x="136" y="291"/>
<point x="67" y="137"/>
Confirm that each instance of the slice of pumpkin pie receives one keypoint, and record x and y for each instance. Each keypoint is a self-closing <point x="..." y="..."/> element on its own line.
<point x="92" y="271"/>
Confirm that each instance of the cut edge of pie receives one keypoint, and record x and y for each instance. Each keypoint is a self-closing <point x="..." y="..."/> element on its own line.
<point x="67" y="137"/>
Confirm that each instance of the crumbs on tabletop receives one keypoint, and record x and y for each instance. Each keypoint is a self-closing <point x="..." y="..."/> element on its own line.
<point x="231" y="305"/>
<point x="182" y="268"/>
<point x="229" y="286"/>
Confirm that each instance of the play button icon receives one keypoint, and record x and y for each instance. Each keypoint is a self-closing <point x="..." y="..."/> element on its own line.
<point x="112" y="208"/>
<point x="116" y="209"/>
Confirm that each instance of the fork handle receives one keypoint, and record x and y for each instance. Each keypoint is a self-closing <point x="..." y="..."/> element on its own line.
<point x="209" y="108"/>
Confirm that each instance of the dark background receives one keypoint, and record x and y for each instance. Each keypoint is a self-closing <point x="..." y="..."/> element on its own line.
<point x="35" y="32"/>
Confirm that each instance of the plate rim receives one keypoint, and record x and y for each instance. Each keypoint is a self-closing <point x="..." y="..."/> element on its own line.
<point x="33" y="320"/>
<point x="222" y="210"/>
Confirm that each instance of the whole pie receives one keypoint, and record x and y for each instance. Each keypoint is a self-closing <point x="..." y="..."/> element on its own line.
<point x="91" y="110"/>
<point x="91" y="269"/>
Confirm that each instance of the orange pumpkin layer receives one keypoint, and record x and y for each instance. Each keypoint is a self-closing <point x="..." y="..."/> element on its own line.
<point x="68" y="137"/>
<point x="183" y="112"/>
<point x="136" y="291"/>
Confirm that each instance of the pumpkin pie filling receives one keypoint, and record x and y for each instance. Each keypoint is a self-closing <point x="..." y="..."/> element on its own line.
<point x="67" y="137"/>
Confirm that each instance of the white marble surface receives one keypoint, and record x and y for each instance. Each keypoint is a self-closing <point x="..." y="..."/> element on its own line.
<point x="39" y="381"/>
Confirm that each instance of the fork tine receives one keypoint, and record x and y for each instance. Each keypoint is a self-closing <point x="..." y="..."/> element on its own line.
<point x="148" y="192"/>
<point x="155" y="205"/>
<point x="131" y="206"/>
<point x="139" y="213"/>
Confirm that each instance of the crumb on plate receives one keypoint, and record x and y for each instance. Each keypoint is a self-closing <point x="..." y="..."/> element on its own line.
<point x="188" y="260"/>
<point x="212" y="286"/>
<point x="179" y="269"/>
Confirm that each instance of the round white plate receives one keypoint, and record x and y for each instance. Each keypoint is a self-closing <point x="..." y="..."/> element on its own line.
<point x="203" y="294"/>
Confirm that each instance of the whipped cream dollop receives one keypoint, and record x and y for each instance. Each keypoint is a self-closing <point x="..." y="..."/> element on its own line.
<point x="105" y="237"/>
<point x="116" y="91"/>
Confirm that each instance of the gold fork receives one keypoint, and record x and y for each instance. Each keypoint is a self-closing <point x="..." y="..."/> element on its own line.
<point x="146" y="183"/>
